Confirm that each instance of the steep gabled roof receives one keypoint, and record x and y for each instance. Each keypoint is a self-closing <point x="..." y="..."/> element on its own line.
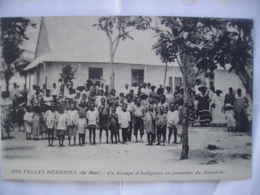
<point x="74" y="39"/>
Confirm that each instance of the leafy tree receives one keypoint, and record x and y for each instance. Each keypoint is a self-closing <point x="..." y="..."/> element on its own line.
<point x="199" y="45"/>
<point x="118" y="28"/>
<point x="13" y="34"/>
<point x="67" y="75"/>
<point x="236" y="50"/>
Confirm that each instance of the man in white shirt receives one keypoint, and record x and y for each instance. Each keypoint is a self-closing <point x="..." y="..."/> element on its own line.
<point x="124" y="122"/>
<point x="14" y="93"/>
<point x="126" y="90"/>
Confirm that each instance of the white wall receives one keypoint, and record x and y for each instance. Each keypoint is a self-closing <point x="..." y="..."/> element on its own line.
<point x="123" y="74"/>
<point x="223" y="80"/>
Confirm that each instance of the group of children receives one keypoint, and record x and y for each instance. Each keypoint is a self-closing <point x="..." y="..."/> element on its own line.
<point x="74" y="119"/>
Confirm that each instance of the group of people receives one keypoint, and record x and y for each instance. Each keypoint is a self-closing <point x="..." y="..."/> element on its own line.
<point x="140" y="108"/>
<point x="212" y="108"/>
<point x="93" y="108"/>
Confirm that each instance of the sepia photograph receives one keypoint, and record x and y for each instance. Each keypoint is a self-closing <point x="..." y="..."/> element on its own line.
<point x="126" y="98"/>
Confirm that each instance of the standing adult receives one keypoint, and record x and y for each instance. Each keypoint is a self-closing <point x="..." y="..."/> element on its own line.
<point x="24" y="93"/>
<point x="217" y="104"/>
<point x="135" y="89"/>
<point x="37" y="98"/>
<point x="138" y="114"/>
<point x="230" y="97"/>
<point x="126" y="90"/>
<point x="160" y="90"/>
<point x="168" y="95"/>
<point x="203" y="107"/>
<point x="241" y="103"/>
<point x="14" y="93"/>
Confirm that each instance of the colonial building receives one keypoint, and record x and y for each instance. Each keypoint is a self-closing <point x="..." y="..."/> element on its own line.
<point x="74" y="40"/>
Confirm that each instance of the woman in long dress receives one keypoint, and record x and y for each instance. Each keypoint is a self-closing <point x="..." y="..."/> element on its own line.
<point x="217" y="103"/>
<point x="241" y="103"/>
<point x="203" y="107"/>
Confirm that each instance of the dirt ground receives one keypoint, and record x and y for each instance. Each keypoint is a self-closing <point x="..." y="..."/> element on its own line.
<point x="231" y="149"/>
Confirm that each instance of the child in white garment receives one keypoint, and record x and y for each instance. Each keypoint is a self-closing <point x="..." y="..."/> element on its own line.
<point x="172" y="122"/>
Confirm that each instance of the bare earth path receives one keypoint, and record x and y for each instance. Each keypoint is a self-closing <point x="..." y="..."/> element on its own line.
<point x="233" y="150"/>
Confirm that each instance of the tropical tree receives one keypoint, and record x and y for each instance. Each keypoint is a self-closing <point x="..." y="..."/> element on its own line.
<point x="67" y="76"/>
<point x="200" y="45"/>
<point x="236" y="50"/>
<point x="13" y="34"/>
<point x="118" y="28"/>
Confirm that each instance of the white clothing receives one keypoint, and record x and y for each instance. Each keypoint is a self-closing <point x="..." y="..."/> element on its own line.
<point x="124" y="119"/>
<point x="50" y="118"/>
<point x="98" y="100"/>
<point x="62" y="121"/>
<point x="73" y="117"/>
<point x="172" y="118"/>
<point x="55" y="91"/>
<point x="82" y="124"/>
<point x="92" y="117"/>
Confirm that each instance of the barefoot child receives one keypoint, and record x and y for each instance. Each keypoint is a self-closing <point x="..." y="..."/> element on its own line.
<point x="36" y="122"/>
<point x="118" y="110"/>
<point x="62" y="119"/>
<point x="82" y="125"/>
<point x="50" y="118"/>
<point x="230" y="117"/>
<point x="124" y="122"/>
<point x="103" y="111"/>
<point x="113" y="124"/>
<point x="172" y="122"/>
<point x="73" y="117"/>
<point x="92" y="120"/>
<point x="28" y="118"/>
<point x="161" y="122"/>
<point x="149" y="124"/>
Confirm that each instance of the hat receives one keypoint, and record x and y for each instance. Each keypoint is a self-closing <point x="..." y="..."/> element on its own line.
<point x="228" y="105"/>
<point x="168" y="87"/>
<point x="143" y="96"/>
<point x="81" y="88"/>
<point x="202" y="87"/>
<point x="129" y="94"/>
<point x="153" y="87"/>
<point x="218" y="91"/>
<point x="197" y="79"/>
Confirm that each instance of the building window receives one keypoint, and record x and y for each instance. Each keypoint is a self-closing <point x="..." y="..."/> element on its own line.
<point x="178" y="81"/>
<point x="96" y="74"/>
<point x="137" y="76"/>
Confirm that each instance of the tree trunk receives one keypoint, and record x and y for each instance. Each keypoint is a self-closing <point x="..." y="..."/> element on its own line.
<point x="112" y="75"/>
<point x="185" y="137"/>
<point x="188" y="79"/>
<point x="165" y="74"/>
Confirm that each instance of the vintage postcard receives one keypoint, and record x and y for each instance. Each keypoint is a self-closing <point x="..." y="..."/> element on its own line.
<point x="126" y="98"/>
